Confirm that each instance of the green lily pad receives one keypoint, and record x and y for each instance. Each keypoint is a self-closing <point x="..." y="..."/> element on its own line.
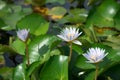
<point x="35" y="22"/>
<point x="55" y="69"/>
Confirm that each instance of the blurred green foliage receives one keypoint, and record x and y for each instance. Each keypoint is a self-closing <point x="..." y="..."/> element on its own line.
<point x="99" y="20"/>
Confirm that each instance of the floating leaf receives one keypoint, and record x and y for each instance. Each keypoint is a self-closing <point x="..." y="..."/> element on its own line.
<point x="5" y="72"/>
<point x="2" y="23"/>
<point x="20" y="72"/>
<point x="56" y="1"/>
<point x="57" y="12"/>
<point x="117" y="20"/>
<point x="32" y="67"/>
<point x="77" y="49"/>
<point x="81" y="63"/>
<point x="90" y="2"/>
<point x="37" y="2"/>
<point x="55" y="69"/>
<point x="90" y="76"/>
<point x="6" y="48"/>
<point x="11" y="14"/>
<point x="36" y="64"/>
<point x="75" y="16"/>
<point x="110" y="73"/>
<point x="103" y="15"/>
<point x="18" y="46"/>
<point x="35" y="22"/>
<point x="39" y="48"/>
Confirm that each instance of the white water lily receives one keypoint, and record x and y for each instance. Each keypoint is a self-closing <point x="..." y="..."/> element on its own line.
<point x="23" y="34"/>
<point x="95" y="55"/>
<point x="70" y="35"/>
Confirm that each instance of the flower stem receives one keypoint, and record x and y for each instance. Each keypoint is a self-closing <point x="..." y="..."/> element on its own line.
<point x="96" y="71"/>
<point x="70" y="55"/>
<point x="27" y="55"/>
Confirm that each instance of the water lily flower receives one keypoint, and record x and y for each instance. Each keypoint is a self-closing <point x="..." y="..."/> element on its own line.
<point x="95" y="55"/>
<point x="23" y="34"/>
<point x="70" y="35"/>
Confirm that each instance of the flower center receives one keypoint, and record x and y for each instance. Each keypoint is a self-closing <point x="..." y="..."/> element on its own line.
<point x="93" y="57"/>
<point x="70" y="35"/>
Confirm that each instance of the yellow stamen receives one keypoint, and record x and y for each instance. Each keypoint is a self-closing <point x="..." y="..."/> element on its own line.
<point x="70" y="35"/>
<point x="93" y="57"/>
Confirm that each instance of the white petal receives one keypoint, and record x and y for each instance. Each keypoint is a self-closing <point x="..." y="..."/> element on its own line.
<point x="90" y="61"/>
<point x="95" y="55"/>
<point x="62" y="37"/>
<point x="77" y="42"/>
<point x="23" y="34"/>
<point x="70" y="34"/>
<point x="80" y="33"/>
<point x="105" y="55"/>
<point x="86" y="56"/>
